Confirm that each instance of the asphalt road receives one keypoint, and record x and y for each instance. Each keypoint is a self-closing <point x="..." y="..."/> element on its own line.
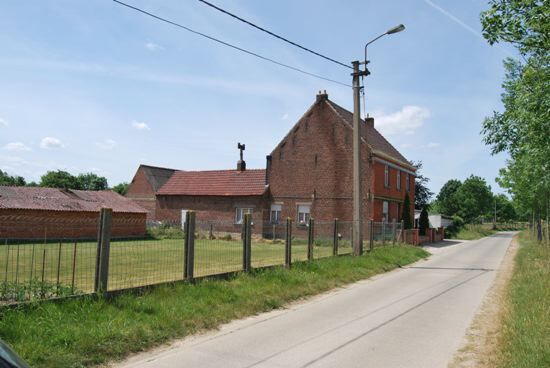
<point x="411" y="317"/>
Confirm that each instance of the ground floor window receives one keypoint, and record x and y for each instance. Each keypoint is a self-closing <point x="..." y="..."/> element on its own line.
<point x="385" y="210"/>
<point x="183" y="217"/>
<point x="240" y="212"/>
<point x="303" y="214"/>
<point x="275" y="216"/>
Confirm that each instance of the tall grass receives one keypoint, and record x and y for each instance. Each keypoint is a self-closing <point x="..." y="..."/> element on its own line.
<point x="526" y="327"/>
<point x="88" y="332"/>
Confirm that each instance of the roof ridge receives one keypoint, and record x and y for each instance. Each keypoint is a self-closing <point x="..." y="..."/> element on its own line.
<point x="158" y="167"/>
<point x="217" y="170"/>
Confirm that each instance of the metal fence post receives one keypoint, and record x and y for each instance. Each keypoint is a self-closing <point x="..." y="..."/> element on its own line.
<point x="288" y="243"/>
<point x="383" y="232"/>
<point x="105" y="249"/>
<point x="402" y="231"/>
<point x="335" y="239"/>
<point x="371" y="235"/>
<point x="247" y="240"/>
<point x="98" y="250"/>
<point x="310" y="236"/>
<point x="189" y="245"/>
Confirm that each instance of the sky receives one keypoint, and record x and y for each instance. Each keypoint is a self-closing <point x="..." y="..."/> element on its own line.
<point x="92" y="86"/>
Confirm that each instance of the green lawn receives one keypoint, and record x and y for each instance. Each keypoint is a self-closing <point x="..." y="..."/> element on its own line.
<point x="132" y="263"/>
<point x="85" y="332"/>
<point x="525" y="339"/>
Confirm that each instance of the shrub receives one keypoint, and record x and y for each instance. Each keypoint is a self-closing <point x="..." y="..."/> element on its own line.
<point x="424" y="221"/>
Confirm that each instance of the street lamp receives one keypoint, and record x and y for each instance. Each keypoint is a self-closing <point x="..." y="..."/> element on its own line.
<point x="357" y="196"/>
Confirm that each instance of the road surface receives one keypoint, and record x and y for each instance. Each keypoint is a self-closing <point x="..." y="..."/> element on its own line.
<point x="412" y="317"/>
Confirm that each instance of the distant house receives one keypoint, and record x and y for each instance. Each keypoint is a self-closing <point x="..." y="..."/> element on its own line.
<point x="144" y="185"/>
<point x="437" y="220"/>
<point x="38" y="213"/>
<point x="307" y="175"/>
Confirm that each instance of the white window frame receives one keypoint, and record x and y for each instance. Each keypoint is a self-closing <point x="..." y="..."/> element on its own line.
<point x="408" y="183"/>
<point x="240" y="212"/>
<point x="304" y="214"/>
<point x="275" y="213"/>
<point x="385" y="210"/>
<point x="386" y="176"/>
<point x="183" y="217"/>
<point x="398" y="179"/>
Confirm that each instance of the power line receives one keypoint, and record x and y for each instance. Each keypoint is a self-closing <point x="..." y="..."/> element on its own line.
<point x="230" y="45"/>
<point x="273" y="34"/>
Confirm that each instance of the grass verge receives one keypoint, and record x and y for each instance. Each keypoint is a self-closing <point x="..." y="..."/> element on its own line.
<point x="87" y="332"/>
<point x="525" y="340"/>
<point x="473" y="232"/>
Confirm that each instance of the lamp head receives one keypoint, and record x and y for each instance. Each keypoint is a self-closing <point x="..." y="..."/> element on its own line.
<point x="396" y="29"/>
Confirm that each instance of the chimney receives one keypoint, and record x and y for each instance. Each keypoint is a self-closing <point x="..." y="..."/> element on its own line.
<point x="241" y="164"/>
<point x="267" y="168"/>
<point x="370" y="122"/>
<point x="322" y="96"/>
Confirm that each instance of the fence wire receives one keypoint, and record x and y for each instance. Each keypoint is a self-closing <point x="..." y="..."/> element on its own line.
<point x="269" y="249"/>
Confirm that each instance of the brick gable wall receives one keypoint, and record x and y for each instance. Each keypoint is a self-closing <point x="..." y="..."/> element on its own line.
<point x="142" y="193"/>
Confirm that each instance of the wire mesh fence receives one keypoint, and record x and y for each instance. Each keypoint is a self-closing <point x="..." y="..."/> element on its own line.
<point x="58" y="257"/>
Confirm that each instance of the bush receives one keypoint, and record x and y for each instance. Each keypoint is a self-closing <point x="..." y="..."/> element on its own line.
<point x="455" y="227"/>
<point x="424" y="221"/>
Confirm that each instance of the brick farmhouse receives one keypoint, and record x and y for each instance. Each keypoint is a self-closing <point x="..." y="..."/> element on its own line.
<point x="50" y="213"/>
<point x="308" y="174"/>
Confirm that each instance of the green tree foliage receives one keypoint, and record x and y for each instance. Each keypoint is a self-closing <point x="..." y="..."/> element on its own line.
<point x="505" y="210"/>
<point x="91" y="181"/>
<point x="65" y="180"/>
<point x="121" y="188"/>
<point x="447" y="200"/>
<point x="406" y="215"/>
<point x="6" y="179"/>
<point x="522" y="129"/>
<point x="475" y="198"/>
<point x="422" y="194"/>
<point x="423" y="221"/>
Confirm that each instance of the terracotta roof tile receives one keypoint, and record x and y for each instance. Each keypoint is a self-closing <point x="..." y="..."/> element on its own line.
<point x="53" y="199"/>
<point x="216" y="183"/>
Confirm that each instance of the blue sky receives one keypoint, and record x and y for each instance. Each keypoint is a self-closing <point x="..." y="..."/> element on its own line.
<point x="94" y="86"/>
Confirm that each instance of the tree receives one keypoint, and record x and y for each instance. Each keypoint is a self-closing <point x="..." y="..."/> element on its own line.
<point x="505" y="210"/>
<point x="423" y="221"/>
<point x="475" y="198"/>
<point x="121" y="188"/>
<point x="60" y="179"/>
<point x="5" y="179"/>
<point x="91" y="181"/>
<point x="522" y="128"/>
<point x="447" y="200"/>
<point x="422" y="194"/>
<point x="406" y="216"/>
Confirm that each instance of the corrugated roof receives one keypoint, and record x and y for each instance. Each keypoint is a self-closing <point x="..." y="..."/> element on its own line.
<point x="53" y="199"/>
<point x="157" y="176"/>
<point x="371" y="135"/>
<point x="216" y="183"/>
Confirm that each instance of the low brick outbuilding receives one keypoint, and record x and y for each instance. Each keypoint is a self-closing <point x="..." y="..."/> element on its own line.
<point x="50" y="213"/>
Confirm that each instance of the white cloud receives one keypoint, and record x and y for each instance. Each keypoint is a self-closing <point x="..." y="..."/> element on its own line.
<point x="16" y="146"/>
<point x="433" y="145"/>
<point x="3" y="122"/>
<point x="140" y="125"/>
<point x="51" y="142"/>
<point x="153" y="46"/>
<point x="106" y="145"/>
<point x="405" y="121"/>
<point x="284" y="117"/>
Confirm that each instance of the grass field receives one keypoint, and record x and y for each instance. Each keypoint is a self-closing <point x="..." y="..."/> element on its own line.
<point x="87" y="332"/>
<point x="525" y="338"/>
<point x="132" y="263"/>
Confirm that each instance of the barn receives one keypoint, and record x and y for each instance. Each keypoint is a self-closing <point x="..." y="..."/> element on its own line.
<point x="51" y="213"/>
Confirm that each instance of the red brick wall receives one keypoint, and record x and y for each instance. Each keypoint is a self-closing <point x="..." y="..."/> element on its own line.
<point x="141" y="192"/>
<point x="391" y="194"/>
<point x="34" y="224"/>
<point x="213" y="209"/>
<point x="313" y="164"/>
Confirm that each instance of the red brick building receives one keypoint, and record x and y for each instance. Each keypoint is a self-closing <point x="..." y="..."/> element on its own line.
<point x="50" y="213"/>
<point x="308" y="174"/>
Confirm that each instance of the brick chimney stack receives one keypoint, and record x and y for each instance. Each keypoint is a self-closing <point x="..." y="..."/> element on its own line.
<point x="370" y="122"/>
<point x="322" y="96"/>
<point x="241" y="164"/>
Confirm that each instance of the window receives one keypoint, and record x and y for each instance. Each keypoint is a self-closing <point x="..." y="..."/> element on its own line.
<point x="275" y="216"/>
<point x="407" y="184"/>
<point x="240" y="212"/>
<point x="385" y="211"/>
<point x="386" y="176"/>
<point x="398" y="179"/>
<point x="303" y="214"/>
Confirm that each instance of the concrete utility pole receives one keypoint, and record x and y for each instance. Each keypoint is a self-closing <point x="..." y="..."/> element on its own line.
<point x="357" y="164"/>
<point x="357" y="235"/>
